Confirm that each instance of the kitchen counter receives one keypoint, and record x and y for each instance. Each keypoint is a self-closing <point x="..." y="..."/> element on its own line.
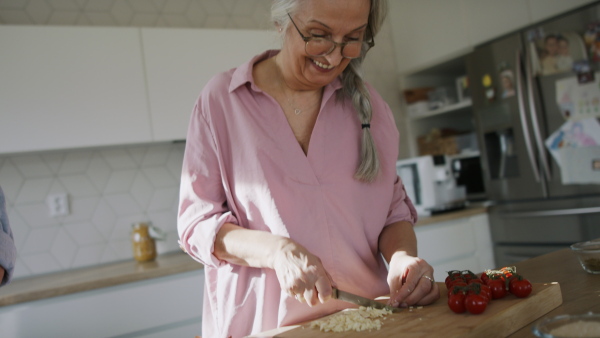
<point x="68" y="282"/>
<point x="470" y="210"/>
<point x="85" y="279"/>
<point x="580" y="290"/>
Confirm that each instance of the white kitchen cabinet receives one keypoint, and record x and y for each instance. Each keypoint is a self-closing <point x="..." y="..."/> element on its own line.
<point x="544" y="9"/>
<point x="426" y="32"/>
<point x="161" y="307"/>
<point x="179" y="62"/>
<point x="486" y="20"/>
<point x="68" y="87"/>
<point x="461" y="244"/>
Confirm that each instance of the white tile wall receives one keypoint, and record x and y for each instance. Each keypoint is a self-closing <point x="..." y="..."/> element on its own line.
<point x="110" y="188"/>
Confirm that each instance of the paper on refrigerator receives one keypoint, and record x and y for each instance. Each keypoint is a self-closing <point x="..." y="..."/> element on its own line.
<point x="578" y="101"/>
<point x="575" y="146"/>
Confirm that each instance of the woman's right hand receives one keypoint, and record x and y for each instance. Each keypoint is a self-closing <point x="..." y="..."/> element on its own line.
<point x="301" y="274"/>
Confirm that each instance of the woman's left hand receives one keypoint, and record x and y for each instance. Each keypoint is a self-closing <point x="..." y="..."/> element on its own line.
<point x="411" y="281"/>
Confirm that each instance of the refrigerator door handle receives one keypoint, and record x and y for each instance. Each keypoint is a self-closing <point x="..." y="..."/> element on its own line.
<point x="534" y="120"/>
<point x="526" y="136"/>
<point x="558" y="212"/>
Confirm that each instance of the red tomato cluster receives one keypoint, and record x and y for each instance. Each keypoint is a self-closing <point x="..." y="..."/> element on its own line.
<point x="472" y="293"/>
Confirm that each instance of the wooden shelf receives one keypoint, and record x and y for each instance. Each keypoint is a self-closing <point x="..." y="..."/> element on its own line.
<point x="447" y="109"/>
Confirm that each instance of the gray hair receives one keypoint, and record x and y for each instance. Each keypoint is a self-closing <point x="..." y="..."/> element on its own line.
<point x="353" y="85"/>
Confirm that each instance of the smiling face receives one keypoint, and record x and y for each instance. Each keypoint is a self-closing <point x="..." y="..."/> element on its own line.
<point x="338" y="20"/>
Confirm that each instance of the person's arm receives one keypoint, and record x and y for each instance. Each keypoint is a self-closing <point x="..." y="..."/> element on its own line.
<point x="398" y="238"/>
<point x="8" y="251"/>
<point x="241" y="246"/>
<point x="300" y="273"/>
<point x="410" y="278"/>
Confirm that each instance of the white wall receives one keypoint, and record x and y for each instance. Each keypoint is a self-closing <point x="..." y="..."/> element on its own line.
<point x="110" y="188"/>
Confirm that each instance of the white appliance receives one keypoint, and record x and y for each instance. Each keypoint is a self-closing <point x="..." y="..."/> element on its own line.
<point x="430" y="184"/>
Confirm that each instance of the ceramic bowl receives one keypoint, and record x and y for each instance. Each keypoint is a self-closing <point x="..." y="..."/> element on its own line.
<point x="571" y="326"/>
<point x="588" y="254"/>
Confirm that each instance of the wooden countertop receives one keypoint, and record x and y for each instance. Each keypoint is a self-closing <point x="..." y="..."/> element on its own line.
<point x="580" y="290"/>
<point x="471" y="210"/>
<point x="67" y="282"/>
<point x="63" y="283"/>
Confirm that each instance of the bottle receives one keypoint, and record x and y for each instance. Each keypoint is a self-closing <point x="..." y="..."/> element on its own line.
<point x="144" y="247"/>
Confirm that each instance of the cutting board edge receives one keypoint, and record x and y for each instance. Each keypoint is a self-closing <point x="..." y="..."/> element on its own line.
<point x="551" y="295"/>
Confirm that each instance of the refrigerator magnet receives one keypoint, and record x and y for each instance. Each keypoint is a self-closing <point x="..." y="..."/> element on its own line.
<point x="486" y="81"/>
<point x="508" y="83"/>
<point x="584" y="72"/>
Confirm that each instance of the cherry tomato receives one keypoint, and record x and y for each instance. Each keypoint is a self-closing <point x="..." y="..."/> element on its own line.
<point x="457" y="288"/>
<point x="475" y="280"/>
<point x="480" y="290"/>
<point x="453" y="275"/>
<point x="468" y="275"/>
<point x="457" y="284"/>
<point x="520" y="287"/>
<point x="498" y="288"/>
<point x="486" y="291"/>
<point x="484" y="277"/>
<point x="456" y="302"/>
<point x="475" y="304"/>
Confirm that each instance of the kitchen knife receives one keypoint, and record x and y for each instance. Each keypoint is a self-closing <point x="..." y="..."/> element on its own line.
<point x="361" y="301"/>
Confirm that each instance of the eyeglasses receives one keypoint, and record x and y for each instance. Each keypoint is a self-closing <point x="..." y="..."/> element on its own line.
<point x="318" y="46"/>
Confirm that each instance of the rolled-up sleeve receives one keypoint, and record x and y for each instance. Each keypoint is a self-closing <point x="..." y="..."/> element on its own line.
<point x="401" y="208"/>
<point x="203" y="205"/>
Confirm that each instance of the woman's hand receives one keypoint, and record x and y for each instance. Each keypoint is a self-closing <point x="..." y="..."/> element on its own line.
<point x="301" y="274"/>
<point x="411" y="281"/>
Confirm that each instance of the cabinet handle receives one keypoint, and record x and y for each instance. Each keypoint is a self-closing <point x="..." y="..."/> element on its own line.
<point x="545" y="213"/>
<point x="526" y="135"/>
<point x="534" y="120"/>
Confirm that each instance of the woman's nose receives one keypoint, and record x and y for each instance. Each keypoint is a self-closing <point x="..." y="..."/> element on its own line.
<point x="335" y="57"/>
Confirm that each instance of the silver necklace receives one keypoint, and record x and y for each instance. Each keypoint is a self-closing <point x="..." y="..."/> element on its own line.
<point x="297" y="110"/>
<point x="292" y="104"/>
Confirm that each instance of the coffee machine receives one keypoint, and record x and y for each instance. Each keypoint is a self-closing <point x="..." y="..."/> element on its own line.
<point x="431" y="185"/>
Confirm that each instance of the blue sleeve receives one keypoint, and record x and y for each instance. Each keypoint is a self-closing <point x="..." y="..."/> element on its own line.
<point x="8" y="252"/>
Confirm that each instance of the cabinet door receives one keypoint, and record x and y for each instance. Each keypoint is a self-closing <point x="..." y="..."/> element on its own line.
<point x="426" y="32"/>
<point x="544" y="9"/>
<point x="486" y="20"/>
<point x="168" y="306"/>
<point x="460" y="244"/>
<point x="68" y="87"/>
<point x="179" y="62"/>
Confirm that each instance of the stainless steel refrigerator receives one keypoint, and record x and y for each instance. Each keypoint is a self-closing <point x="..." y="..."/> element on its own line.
<point x="517" y="107"/>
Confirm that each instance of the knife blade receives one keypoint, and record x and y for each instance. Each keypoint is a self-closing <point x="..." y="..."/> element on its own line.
<point x="361" y="301"/>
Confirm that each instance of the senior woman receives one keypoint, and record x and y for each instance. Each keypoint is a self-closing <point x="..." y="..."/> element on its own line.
<point x="289" y="184"/>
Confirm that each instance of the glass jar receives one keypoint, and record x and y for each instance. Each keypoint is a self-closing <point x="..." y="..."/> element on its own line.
<point x="144" y="247"/>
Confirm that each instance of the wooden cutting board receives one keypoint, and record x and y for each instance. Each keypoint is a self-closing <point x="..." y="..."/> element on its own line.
<point x="501" y="318"/>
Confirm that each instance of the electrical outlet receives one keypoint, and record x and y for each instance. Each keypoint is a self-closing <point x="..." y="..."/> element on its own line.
<point x="58" y="204"/>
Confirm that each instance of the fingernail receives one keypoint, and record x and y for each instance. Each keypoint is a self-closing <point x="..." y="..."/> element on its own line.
<point x="404" y="305"/>
<point x="395" y="303"/>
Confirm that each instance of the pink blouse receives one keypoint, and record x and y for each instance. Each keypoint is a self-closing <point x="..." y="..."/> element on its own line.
<point x="243" y="165"/>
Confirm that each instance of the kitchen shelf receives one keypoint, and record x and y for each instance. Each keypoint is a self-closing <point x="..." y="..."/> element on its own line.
<point x="446" y="109"/>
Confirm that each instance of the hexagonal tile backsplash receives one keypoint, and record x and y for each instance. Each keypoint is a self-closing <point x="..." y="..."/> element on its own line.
<point x="108" y="189"/>
<point x="111" y="188"/>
